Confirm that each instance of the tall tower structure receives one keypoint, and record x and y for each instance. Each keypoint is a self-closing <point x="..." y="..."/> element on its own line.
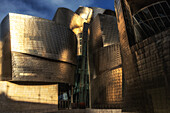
<point x="105" y="62"/>
<point x="144" y="30"/>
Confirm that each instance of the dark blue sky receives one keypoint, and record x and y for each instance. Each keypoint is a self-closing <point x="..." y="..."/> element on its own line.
<point x="47" y="8"/>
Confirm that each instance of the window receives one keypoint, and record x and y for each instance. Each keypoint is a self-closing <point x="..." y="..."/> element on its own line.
<point x="153" y="12"/>
<point x="147" y="13"/>
<point x="166" y="8"/>
<point x="166" y="21"/>
<point x="142" y="16"/>
<point x="159" y="10"/>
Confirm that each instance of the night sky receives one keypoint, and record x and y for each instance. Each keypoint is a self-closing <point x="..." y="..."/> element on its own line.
<point x="47" y="8"/>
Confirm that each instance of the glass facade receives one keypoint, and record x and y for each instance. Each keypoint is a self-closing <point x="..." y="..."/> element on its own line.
<point x="144" y="42"/>
<point x="151" y="20"/>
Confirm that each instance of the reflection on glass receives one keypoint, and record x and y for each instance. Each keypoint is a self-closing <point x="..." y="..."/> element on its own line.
<point x="159" y="23"/>
<point x="153" y="12"/>
<point x="166" y="8"/>
<point x="147" y="13"/>
<point x="166" y="21"/>
<point x="159" y="10"/>
<point x="142" y="16"/>
<point x="154" y="26"/>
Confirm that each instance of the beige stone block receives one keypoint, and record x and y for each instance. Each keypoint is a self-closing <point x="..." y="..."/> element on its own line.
<point x="22" y="98"/>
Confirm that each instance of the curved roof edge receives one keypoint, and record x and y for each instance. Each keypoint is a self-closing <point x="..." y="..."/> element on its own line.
<point x="136" y="5"/>
<point x="109" y="12"/>
<point x="62" y="8"/>
<point x="149" y="6"/>
<point x="27" y="16"/>
<point x="84" y="12"/>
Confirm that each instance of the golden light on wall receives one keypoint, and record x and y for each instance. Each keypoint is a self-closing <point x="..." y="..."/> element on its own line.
<point x="74" y="21"/>
<point x="30" y="93"/>
<point x="34" y="47"/>
<point x="114" y="88"/>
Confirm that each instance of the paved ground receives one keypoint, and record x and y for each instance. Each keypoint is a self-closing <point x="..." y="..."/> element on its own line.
<point x="89" y="111"/>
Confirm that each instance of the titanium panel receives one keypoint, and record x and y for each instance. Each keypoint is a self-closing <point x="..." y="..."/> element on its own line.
<point x="109" y="12"/>
<point x="103" y="31"/>
<point x="26" y="67"/>
<point x="96" y="11"/>
<point x="105" y="63"/>
<point x="6" y="61"/>
<point x="145" y="68"/>
<point x="41" y="37"/>
<point x="106" y="86"/>
<point x="106" y="90"/>
<point x="85" y="12"/>
<point x="73" y="21"/>
<point x="69" y="19"/>
<point x="107" y="58"/>
<point x="109" y="29"/>
<point x="37" y="49"/>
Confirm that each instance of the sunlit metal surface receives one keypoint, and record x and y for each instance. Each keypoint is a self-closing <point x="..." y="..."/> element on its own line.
<point x="105" y="63"/>
<point x="40" y="50"/>
<point x="96" y="11"/>
<point x="145" y="63"/>
<point x="104" y="31"/>
<point x="74" y="21"/>
<point x="69" y="19"/>
<point x="85" y="12"/>
<point x="106" y="86"/>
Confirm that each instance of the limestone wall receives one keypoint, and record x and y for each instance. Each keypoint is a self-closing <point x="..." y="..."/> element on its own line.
<point x="28" y="98"/>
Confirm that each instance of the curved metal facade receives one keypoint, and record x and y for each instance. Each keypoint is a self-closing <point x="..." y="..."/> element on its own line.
<point x="106" y="82"/>
<point x="97" y="11"/>
<point x="73" y="21"/>
<point x="105" y="63"/>
<point x="69" y="19"/>
<point x="38" y="50"/>
<point x="85" y="12"/>
<point x="145" y="63"/>
<point x="103" y="31"/>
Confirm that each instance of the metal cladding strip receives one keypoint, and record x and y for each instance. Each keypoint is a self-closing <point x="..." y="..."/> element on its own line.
<point x="108" y="79"/>
<point x="36" y="49"/>
<point x="69" y="19"/>
<point x="109" y="29"/>
<point x="85" y="12"/>
<point x="97" y="11"/>
<point x="43" y="38"/>
<point x="105" y="62"/>
<point x="109" y="12"/>
<point x="145" y="64"/>
<point x="107" y="58"/>
<point x="95" y="40"/>
<point x="103" y="33"/>
<point x="35" y="69"/>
